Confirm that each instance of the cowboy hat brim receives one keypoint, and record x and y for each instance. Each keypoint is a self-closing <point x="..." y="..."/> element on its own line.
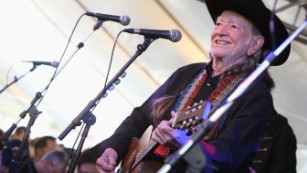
<point x="259" y="15"/>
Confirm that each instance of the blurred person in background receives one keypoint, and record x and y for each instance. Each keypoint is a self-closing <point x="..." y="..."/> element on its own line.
<point x="87" y="162"/>
<point x="52" y="162"/>
<point x="44" y="145"/>
<point x="19" y="133"/>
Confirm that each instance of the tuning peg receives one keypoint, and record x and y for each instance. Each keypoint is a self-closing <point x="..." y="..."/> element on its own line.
<point x="193" y="129"/>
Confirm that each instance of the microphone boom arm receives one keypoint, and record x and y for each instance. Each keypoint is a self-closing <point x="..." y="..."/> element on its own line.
<point x="76" y="121"/>
<point x="33" y="112"/>
<point x="16" y="79"/>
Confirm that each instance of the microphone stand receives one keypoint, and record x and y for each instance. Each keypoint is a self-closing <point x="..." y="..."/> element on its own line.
<point x="15" y="165"/>
<point x="17" y="78"/>
<point x="89" y="119"/>
<point x="87" y="116"/>
<point x="79" y="46"/>
<point x="172" y="160"/>
<point x="8" y="133"/>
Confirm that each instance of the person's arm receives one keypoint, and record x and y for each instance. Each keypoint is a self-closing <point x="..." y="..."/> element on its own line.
<point x="243" y="127"/>
<point x="138" y="121"/>
<point x="284" y="145"/>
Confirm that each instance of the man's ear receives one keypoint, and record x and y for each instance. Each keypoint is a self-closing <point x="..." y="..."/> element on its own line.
<point x="257" y="43"/>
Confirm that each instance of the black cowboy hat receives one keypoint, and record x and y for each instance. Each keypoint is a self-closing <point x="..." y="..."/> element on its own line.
<point x="259" y="15"/>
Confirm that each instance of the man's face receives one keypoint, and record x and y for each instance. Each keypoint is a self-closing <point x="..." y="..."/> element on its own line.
<point x="48" y="167"/>
<point x="51" y="146"/>
<point x="231" y="37"/>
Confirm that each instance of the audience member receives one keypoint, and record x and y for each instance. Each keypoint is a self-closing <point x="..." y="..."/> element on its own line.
<point x="44" y="145"/>
<point x="52" y="162"/>
<point x="18" y="133"/>
<point x="8" y="153"/>
<point x="87" y="162"/>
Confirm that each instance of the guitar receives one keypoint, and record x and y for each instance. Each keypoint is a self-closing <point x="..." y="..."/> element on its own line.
<point x="139" y="148"/>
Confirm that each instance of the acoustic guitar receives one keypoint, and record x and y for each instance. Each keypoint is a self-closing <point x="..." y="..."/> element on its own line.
<point x="134" y="161"/>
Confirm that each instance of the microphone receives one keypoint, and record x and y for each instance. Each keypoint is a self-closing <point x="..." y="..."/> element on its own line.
<point x="54" y="64"/>
<point x="173" y="35"/>
<point x="124" y="20"/>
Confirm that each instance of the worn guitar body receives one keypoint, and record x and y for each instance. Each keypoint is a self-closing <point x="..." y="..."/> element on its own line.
<point x="134" y="161"/>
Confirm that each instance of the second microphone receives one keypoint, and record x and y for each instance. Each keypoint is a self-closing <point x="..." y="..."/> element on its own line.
<point x="173" y="35"/>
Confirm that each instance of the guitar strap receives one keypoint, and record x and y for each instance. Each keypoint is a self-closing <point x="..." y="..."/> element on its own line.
<point x="225" y="86"/>
<point x="185" y="99"/>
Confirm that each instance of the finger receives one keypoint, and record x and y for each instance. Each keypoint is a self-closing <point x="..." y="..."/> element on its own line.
<point x="174" y="114"/>
<point x="105" y="168"/>
<point x="156" y="136"/>
<point x="111" y="161"/>
<point x="103" y="165"/>
<point x="161" y="134"/>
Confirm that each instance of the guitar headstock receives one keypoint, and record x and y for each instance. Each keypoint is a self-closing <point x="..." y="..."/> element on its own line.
<point x="192" y="115"/>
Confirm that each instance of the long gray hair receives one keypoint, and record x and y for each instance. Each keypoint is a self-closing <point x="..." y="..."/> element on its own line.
<point x="160" y="107"/>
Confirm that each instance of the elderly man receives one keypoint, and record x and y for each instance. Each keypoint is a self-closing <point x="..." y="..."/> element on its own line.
<point x="240" y="35"/>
